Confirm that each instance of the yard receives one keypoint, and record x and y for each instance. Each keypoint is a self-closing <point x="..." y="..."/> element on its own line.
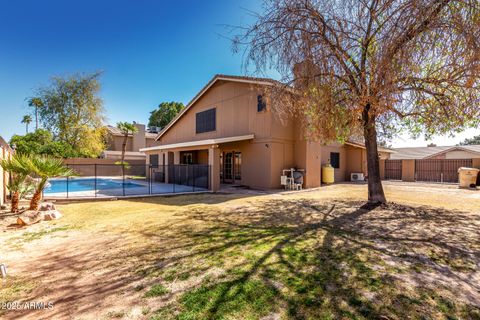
<point x="317" y="254"/>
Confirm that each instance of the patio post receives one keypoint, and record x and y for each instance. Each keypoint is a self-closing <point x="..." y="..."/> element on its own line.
<point x="214" y="163"/>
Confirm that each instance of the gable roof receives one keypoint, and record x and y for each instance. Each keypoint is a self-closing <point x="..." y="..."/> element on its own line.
<point x="362" y="145"/>
<point x="218" y="77"/>
<point x="429" y="152"/>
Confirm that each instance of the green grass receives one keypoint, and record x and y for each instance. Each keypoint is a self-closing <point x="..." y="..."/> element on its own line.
<point x="156" y="290"/>
<point x="250" y="299"/>
<point x="31" y="236"/>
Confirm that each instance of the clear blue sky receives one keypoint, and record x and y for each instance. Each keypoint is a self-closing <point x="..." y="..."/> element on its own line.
<point x="150" y="51"/>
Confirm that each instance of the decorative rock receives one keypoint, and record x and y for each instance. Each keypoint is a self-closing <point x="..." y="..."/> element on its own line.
<point x="52" y="215"/>
<point x="47" y="206"/>
<point x="30" y="217"/>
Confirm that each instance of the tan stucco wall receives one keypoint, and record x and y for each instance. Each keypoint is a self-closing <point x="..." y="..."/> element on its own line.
<point x="382" y="168"/>
<point x="408" y="170"/>
<point x="104" y="167"/>
<point x="336" y="147"/>
<point x="236" y="115"/>
<point x="115" y="143"/>
<point x="356" y="161"/>
<point x="476" y="163"/>
<point x="150" y="142"/>
<point x="138" y="138"/>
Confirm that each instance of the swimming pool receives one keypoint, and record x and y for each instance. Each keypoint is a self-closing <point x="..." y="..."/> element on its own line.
<point x="87" y="184"/>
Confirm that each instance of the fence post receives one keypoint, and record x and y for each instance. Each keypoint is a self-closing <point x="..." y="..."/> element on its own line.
<point x="95" y="180"/>
<point x="150" y="172"/>
<point x="123" y="179"/>
<point x="193" y="172"/>
<point x="67" y="187"/>
<point x="174" y="174"/>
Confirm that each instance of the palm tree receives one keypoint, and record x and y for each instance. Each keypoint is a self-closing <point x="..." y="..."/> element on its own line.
<point x="37" y="103"/>
<point x="126" y="128"/>
<point x="18" y="168"/>
<point x="45" y="167"/>
<point x="27" y="120"/>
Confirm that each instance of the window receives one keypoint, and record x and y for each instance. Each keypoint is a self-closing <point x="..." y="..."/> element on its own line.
<point x="335" y="159"/>
<point x="153" y="160"/>
<point x="205" y="121"/>
<point x="238" y="166"/>
<point x="187" y="158"/>
<point x="261" y="104"/>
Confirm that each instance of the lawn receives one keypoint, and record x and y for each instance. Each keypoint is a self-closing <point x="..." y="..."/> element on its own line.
<point x="312" y="255"/>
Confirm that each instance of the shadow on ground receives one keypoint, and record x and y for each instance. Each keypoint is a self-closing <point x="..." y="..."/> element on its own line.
<point x="303" y="259"/>
<point x="273" y="258"/>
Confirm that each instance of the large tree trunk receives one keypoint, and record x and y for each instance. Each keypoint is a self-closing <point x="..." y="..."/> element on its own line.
<point x="15" y="201"/>
<point x="375" y="188"/>
<point x="37" y="196"/>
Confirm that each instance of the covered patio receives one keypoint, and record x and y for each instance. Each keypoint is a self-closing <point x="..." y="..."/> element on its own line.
<point x="217" y="160"/>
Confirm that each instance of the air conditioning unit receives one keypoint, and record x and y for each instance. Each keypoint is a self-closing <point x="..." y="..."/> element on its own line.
<point x="356" y="177"/>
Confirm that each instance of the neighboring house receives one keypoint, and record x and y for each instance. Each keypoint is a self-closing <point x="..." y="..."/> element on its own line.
<point x="444" y="152"/>
<point x="5" y="152"/>
<point x="231" y="126"/>
<point x="431" y="164"/>
<point x="141" y="139"/>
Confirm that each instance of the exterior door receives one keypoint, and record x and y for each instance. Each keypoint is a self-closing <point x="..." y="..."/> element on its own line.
<point x="228" y="174"/>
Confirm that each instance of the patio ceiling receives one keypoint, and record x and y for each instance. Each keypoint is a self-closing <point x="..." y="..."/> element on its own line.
<point x="199" y="143"/>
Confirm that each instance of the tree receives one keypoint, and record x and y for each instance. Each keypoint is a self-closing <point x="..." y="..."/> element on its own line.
<point x="371" y="67"/>
<point x="126" y="128"/>
<point x="72" y="110"/>
<point x="27" y="120"/>
<point x="35" y="103"/>
<point x="470" y="141"/>
<point x="165" y="112"/>
<point x="45" y="167"/>
<point x="41" y="142"/>
<point x="18" y="169"/>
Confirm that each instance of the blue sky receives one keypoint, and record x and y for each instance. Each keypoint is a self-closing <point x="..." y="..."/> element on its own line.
<point x="150" y="51"/>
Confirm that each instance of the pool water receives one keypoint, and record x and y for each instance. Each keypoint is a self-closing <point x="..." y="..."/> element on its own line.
<point x="88" y="184"/>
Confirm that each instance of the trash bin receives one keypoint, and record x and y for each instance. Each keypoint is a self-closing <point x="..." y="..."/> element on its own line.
<point x="467" y="177"/>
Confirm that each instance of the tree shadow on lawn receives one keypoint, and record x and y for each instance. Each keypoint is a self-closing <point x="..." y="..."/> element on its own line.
<point x="304" y="259"/>
<point x="276" y="257"/>
<point x="193" y="199"/>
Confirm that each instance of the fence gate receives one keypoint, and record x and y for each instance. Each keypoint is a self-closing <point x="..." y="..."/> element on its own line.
<point x="393" y="169"/>
<point x="439" y="170"/>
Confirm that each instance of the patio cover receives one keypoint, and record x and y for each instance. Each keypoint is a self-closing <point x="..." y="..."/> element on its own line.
<point x="199" y="143"/>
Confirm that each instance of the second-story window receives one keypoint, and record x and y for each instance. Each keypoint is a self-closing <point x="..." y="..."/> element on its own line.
<point x="206" y="121"/>
<point x="261" y="104"/>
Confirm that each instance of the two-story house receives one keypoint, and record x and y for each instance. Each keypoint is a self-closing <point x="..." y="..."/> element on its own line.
<point x="231" y="126"/>
<point x="143" y="138"/>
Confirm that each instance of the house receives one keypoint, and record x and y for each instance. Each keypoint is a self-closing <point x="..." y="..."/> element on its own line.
<point x="141" y="139"/>
<point x="231" y="126"/>
<point x="434" y="152"/>
<point x="5" y="153"/>
<point x="430" y="164"/>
